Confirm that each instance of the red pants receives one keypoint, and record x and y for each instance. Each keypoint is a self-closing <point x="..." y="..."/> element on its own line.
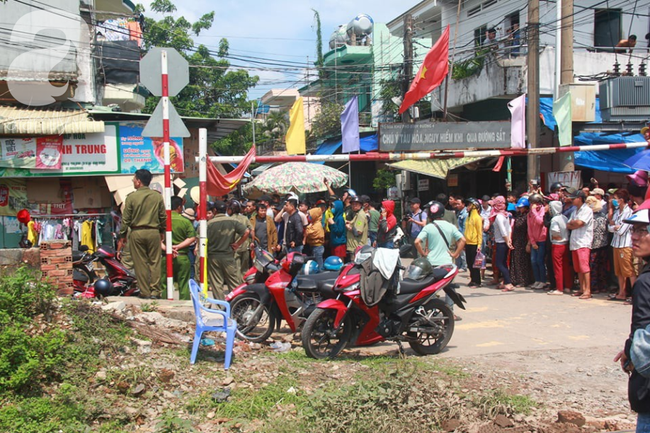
<point x="561" y="267"/>
<point x="339" y="251"/>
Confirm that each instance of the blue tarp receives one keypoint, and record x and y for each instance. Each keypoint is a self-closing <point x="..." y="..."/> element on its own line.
<point x="367" y="144"/>
<point x="606" y="160"/>
<point x="546" y="110"/>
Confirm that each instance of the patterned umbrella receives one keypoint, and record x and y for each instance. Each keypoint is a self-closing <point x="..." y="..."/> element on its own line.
<point x="298" y="177"/>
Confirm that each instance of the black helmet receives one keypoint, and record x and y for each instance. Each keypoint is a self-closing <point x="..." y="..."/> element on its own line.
<point x="535" y="198"/>
<point x="435" y="210"/>
<point x="103" y="287"/>
<point x="556" y="186"/>
<point x="418" y="269"/>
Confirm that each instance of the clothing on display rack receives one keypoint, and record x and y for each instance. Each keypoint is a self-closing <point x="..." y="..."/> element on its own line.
<point x="89" y="230"/>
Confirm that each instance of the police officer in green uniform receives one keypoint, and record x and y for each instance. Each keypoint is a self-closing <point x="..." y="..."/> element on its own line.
<point x="144" y="214"/>
<point x="183" y="235"/>
<point x="242" y="255"/>
<point x="225" y="236"/>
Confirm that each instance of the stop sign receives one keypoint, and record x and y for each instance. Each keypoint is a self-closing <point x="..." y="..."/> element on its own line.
<point x="178" y="71"/>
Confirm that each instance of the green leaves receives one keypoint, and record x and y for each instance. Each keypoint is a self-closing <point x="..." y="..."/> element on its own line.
<point x="215" y="89"/>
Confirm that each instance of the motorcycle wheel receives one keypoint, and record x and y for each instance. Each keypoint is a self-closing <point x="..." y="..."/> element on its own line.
<point x="433" y="343"/>
<point x="319" y="338"/>
<point x="242" y="310"/>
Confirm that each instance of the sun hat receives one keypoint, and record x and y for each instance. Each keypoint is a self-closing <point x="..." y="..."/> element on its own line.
<point x="638" y="178"/>
<point x="189" y="214"/>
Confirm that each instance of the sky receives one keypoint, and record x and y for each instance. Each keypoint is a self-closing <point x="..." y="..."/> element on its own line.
<point x="282" y="30"/>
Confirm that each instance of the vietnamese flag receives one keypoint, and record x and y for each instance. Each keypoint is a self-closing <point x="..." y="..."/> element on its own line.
<point x="218" y="184"/>
<point x="433" y="70"/>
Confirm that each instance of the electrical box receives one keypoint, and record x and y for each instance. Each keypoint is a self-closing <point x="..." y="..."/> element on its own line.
<point x="625" y="98"/>
<point x="583" y="101"/>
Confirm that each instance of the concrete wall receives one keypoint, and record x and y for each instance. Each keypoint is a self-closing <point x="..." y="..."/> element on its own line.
<point x="16" y="256"/>
<point x="494" y="16"/>
<point x="53" y="25"/>
<point x="508" y="77"/>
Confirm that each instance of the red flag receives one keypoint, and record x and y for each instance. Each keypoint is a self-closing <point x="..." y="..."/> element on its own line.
<point x="499" y="164"/>
<point x="433" y="70"/>
<point x="218" y="184"/>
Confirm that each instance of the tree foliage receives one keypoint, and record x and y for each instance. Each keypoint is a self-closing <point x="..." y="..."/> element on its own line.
<point x="327" y="123"/>
<point x="390" y="89"/>
<point x="384" y="179"/>
<point x="319" y="44"/>
<point x="214" y="89"/>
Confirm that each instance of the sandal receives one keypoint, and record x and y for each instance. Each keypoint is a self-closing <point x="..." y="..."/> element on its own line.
<point x="585" y="296"/>
<point x="577" y="294"/>
<point x="508" y="288"/>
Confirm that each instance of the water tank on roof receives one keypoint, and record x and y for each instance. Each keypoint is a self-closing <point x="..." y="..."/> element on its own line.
<point x="339" y="37"/>
<point x="361" y="25"/>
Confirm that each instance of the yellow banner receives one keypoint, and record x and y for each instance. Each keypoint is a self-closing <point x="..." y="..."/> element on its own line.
<point x="296" y="134"/>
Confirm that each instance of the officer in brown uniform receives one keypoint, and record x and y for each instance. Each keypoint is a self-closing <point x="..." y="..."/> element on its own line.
<point x="144" y="214"/>
<point x="225" y="236"/>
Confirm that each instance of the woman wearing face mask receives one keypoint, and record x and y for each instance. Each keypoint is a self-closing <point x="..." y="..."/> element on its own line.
<point x="622" y="243"/>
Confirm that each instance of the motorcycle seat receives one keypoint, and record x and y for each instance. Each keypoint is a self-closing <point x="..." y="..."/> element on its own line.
<point x="309" y="281"/>
<point x="309" y="285"/>
<point x="413" y="286"/>
<point x="325" y="288"/>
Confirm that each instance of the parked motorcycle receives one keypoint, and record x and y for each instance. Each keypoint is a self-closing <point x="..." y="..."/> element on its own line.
<point x="275" y="292"/>
<point x="410" y="311"/>
<point x="119" y="280"/>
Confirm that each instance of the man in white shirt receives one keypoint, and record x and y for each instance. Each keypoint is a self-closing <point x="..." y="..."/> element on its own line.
<point x="581" y="224"/>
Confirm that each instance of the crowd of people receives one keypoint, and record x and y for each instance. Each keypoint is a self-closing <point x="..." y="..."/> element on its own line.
<point x="535" y="240"/>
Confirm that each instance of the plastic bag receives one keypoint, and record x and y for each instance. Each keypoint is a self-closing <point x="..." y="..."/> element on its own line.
<point x="478" y="261"/>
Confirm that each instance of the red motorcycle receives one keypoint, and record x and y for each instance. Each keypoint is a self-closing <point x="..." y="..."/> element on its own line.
<point x="119" y="281"/>
<point x="274" y="292"/>
<point x="409" y="311"/>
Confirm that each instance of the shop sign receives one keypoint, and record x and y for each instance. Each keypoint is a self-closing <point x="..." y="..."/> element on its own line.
<point x="147" y="152"/>
<point x="120" y="149"/>
<point x="452" y="180"/>
<point x="428" y="136"/>
<point x="423" y="185"/>
<point x="13" y="196"/>
<point x="80" y="154"/>
<point x="41" y="152"/>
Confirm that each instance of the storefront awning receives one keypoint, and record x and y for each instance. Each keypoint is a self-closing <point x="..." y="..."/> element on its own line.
<point x="434" y="167"/>
<point x="25" y="121"/>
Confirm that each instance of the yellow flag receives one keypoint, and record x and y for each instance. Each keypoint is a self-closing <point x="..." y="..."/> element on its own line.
<point x="296" y="133"/>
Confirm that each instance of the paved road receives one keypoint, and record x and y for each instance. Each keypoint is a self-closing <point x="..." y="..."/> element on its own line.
<point x="523" y="320"/>
<point x="527" y="320"/>
<point x="531" y="320"/>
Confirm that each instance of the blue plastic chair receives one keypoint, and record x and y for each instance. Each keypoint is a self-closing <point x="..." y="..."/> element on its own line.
<point x="205" y="323"/>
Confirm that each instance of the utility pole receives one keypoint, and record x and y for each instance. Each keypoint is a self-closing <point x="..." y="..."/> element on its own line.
<point x="408" y="59"/>
<point x="532" y="114"/>
<point x="567" y="162"/>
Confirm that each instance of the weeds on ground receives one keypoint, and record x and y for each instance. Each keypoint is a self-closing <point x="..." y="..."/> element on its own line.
<point x="498" y="401"/>
<point x="53" y="345"/>
<point x="149" y="307"/>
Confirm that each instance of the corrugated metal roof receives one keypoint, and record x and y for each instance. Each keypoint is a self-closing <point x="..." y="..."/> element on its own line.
<point x="31" y="121"/>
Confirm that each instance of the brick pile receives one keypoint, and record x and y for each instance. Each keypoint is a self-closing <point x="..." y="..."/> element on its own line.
<point x="56" y="265"/>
